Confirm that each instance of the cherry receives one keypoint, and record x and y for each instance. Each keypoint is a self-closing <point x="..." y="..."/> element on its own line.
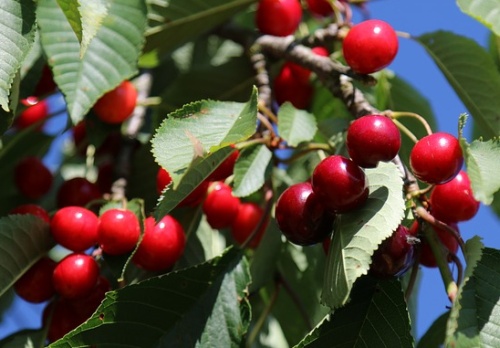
<point x="36" y="111"/>
<point x="35" y="285"/>
<point x="301" y="217"/>
<point x="226" y="168"/>
<point x="162" y="244"/>
<point x="46" y="83"/>
<point x="436" y="158"/>
<point x="63" y="319"/>
<point x="163" y="179"/>
<point x="196" y="196"/>
<point x="454" y="201"/>
<point x="427" y="258"/>
<point x="77" y="192"/>
<point x="394" y="256"/>
<point x="32" y="178"/>
<point x="301" y="73"/>
<point x="372" y="138"/>
<point x="340" y="184"/>
<point x="278" y="17"/>
<point x="31" y="209"/>
<point x="370" y="46"/>
<point x="321" y="8"/>
<point x="246" y="221"/>
<point x="289" y="88"/>
<point x="220" y="206"/>
<point x="84" y="307"/>
<point x="118" y="232"/>
<point x="75" y="275"/>
<point x="117" y="105"/>
<point x="75" y="228"/>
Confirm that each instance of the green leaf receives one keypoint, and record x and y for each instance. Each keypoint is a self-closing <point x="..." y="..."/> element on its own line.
<point x="175" y="22"/>
<point x="434" y="337"/>
<point x="484" y="11"/>
<point x="23" y="240"/>
<point x="481" y="160"/>
<point x="17" y="35"/>
<point x="200" y="128"/>
<point x="24" y="339"/>
<point x="250" y="170"/>
<point x="471" y="72"/>
<point x="85" y="18"/>
<point x="204" y="306"/>
<point x="294" y="125"/>
<point x="376" y="317"/>
<point x="110" y="58"/>
<point x="359" y="233"/>
<point x="477" y="324"/>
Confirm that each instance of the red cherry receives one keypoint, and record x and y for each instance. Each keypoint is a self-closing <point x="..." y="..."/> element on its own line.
<point x="32" y="178"/>
<point x="372" y="138"/>
<point x="226" y="168"/>
<point x="32" y="209"/>
<point x="75" y="275"/>
<point x="246" y="221"/>
<point x="394" y="256"/>
<point x="77" y="192"/>
<point x="63" y="319"/>
<point x="288" y="88"/>
<point x="278" y="17"/>
<point x="436" y="158"/>
<point x="301" y="73"/>
<point x="340" y="184"/>
<point x="75" y="228"/>
<point x="163" y="179"/>
<point x="35" y="285"/>
<point x="119" y="231"/>
<point x="162" y="244"/>
<point x="370" y="46"/>
<point x="117" y="105"/>
<point x="36" y="111"/>
<point x="301" y="217"/>
<point x="84" y="307"/>
<point x="321" y="8"/>
<point x="447" y="239"/>
<point x="454" y="201"/>
<point x="220" y="206"/>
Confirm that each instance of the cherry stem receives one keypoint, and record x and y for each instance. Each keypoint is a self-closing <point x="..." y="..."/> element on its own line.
<point x="149" y="101"/>
<point x="263" y="316"/>
<point x="305" y="150"/>
<point x="267" y="112"/>
<point x="397" y="114"/>
<point x="405" y="130"/>
<point x="265" y="121"/>
<point x="460" y="267"/>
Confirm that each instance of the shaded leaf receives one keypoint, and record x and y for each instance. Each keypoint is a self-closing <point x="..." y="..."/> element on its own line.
<point x="250" y="170"/>
<point x="110" y="58"/>
<point x="24" y="339"/>
<point x="471" y="72"/>
<point x="434" y="337"/>
<point x="359" y="233"/>
<point x="375" y="317"/>
<point x="294" y="125"/>
<point x="204" y="305"/>
<point x="200" y="128"/>
<point x="17" y="34"/>
<point x="485" y="11"/>
<point x="23" y="240"/>
<point x="175" y="22"/>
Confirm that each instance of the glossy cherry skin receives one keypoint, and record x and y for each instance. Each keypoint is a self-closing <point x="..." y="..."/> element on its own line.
<point x="301" y="73"/>
<point x="162" y="244"/>
<point x="394" y="256"/>
<point x="370" y="46"/>
<point x="436" y="158"/>
<point x="118" y="232"/>
<point x="31" y="209"/>
<point x="117" y="105"/>
<point x="226" y="168"/>
<point x="75" y="228"/>
<point x="454" y="201"/>
<point x="371" y="139"/>
<point x="77" y="192"/>
<point x="288" y="88"/>
<point x="32" y="178"/>
<point x="246" y="221"/>
<point x="220" y="206"/>
<point x="301" y="217"/>
<point x="75" y="275"/>
<point x="163" y="179"/>
<point x="427" y="258"/>
<point x="278" y="17"/>
<point x="36" y="112"/>
<point x="321" y="8"/>
<point x="35" y="285"/>
<point x="340" y="184"/>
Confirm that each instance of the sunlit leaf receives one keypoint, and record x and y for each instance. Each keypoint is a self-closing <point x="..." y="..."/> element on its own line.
<point x="485" y="11"/>
<point x="294" y="125"/>
<point x="250" y="170"/>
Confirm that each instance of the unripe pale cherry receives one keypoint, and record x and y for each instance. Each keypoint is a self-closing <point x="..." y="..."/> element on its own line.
<point x="220" y="206"/>
<point x="75" y="275"/>
<point x="454" y="201"/>
<point x="370" y="46"/>
<point x="278" y="17"/>
<point x="36" y="285"/>
<point x="371" y="139"/>
<point x="118" y="104"/>
<point x="32" y="178"/>
<point x="301" y="217"/>
<point x="75" y="228"/>
<point x="436" y="158"/>
<point x="118" y="232"/>
<point x="340" y="184"/>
